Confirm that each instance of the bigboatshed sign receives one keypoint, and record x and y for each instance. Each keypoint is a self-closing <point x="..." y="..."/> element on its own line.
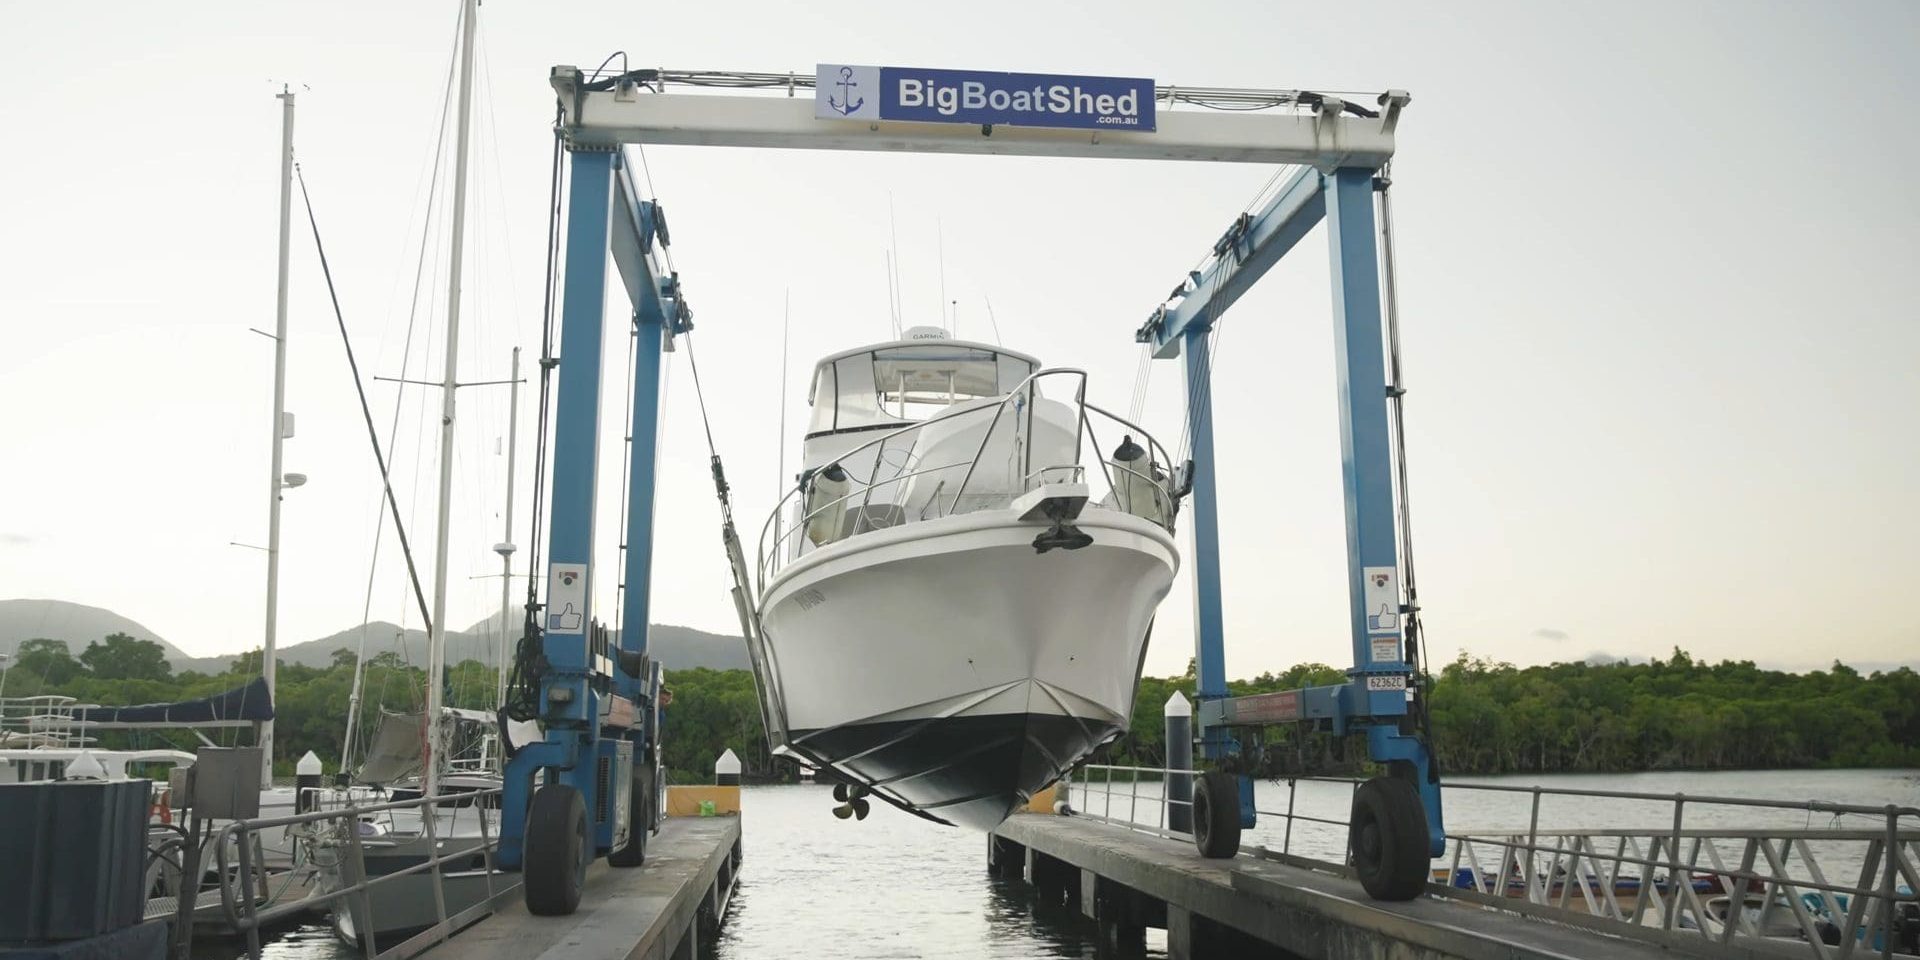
<point x="847" y="92"/>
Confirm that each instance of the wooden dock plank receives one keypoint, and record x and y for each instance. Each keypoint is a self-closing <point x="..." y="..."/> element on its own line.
<point x="637" y="913"/>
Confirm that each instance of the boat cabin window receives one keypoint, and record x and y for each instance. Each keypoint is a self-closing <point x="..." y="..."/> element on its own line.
<point x="894" y="386"/>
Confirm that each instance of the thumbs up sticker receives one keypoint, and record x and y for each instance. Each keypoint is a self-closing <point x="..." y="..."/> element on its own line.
<point x="1382" y="620"/>
<point x="1380" y="598"/>
<point x="566" y="621"/>
<point x="566" y="598"/>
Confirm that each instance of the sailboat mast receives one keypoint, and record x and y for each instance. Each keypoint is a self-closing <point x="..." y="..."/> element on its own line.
<point x="505" y="547"/>
<point x="269" y="649"/>
<point x="437" y="631"/>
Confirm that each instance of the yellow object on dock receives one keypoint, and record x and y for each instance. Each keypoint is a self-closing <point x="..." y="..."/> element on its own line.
<point x="1042" y="802"/>
<point x="687" y="801"/>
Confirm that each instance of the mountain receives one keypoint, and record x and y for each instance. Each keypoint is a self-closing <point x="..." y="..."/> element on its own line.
<point x="75" y="623"/>
<point x="679" y="648"/>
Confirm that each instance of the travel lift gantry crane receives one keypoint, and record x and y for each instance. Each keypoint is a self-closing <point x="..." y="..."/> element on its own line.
<point x="596" y="704"/>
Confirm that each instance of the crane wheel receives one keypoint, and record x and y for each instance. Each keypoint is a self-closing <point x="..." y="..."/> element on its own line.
<point x="554" y="865"/>
<point x="639" y="823"/>
<point x="1388" y="836"/>
<point x="1216" y="815"/>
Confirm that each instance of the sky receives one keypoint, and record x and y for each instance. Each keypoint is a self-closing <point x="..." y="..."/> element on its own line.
<point x="1656" y="275"/>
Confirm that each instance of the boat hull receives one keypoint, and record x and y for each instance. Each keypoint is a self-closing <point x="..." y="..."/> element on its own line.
<point x="404" y="904"/>
<point x="953" y="668"/>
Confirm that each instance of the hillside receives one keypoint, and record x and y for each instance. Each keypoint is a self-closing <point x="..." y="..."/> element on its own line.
<point x="75" y="623"/>
<point x="679" y="648"/>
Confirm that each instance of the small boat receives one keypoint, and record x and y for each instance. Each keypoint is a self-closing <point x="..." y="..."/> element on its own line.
<point x="1774" y="920"/>
<point x="464" y="820"/>
<point x="955" y="598"/>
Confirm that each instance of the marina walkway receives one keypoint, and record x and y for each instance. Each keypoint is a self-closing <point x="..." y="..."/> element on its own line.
<point x="660" y="910"/>
<point x="1128" y="880"/>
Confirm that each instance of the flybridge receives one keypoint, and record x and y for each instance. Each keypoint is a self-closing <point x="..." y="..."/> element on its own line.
<point x="846" y="92"/>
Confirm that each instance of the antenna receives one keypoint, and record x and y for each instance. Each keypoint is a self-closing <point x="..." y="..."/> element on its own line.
<point x="993" y="320"/>
<point x="893" y="261"/>
<point x="940" y="230"/>
<point x="786" y="316"/>
<point x="893" y="315"/>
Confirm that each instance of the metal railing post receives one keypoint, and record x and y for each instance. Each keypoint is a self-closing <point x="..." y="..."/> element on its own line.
<point x="1533" y="835"/>
<point x="354" y="873"/>
<point x="428" y="814"/>
<point x="1293" y="790"/>
<point x="1133" y="801"/>
<point x="1675" y="880"/>
<point x="245" y="836"/>
<point x="486" y="847"/>
<point x="188" y="889"/>
<point x="1887" y="881"/>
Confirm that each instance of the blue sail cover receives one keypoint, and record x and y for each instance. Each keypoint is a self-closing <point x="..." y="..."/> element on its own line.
<point x="250" y="702"/>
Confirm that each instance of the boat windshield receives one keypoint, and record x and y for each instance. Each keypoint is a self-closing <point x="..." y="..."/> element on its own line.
<point x="895" y="385"/>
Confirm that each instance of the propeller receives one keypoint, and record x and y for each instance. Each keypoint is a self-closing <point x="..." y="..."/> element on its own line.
<point x="853" y="800"/>
<point x="857" y="808"/>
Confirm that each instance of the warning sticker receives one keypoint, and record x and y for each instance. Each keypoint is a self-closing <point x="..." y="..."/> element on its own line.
<point x="1385" y="651"/>
<point x="567" y="598"/>
<point x="1380" y="598"/>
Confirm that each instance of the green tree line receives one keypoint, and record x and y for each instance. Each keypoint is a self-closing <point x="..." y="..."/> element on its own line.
<point x="1678" y="713"/>
<point x="1487" y="716"/>
<point x="312" y="702"/>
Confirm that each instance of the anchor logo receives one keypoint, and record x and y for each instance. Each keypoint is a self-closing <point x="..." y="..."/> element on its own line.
<point x="845" y="104"/>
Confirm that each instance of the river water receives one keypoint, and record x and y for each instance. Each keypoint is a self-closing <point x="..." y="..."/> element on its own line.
<point x="895" y="886"/>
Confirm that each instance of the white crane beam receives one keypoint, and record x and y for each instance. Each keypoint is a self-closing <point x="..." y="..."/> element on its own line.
<point x="1325" y="137"/>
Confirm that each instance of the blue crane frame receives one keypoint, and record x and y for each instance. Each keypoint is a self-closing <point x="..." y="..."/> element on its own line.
<point x="1340" y="191"/>
<point x="604" y="217"/>
<point x="1256" y="243"/>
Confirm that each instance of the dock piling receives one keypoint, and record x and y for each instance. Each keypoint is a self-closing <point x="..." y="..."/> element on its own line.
<point x="1179" y="807"/>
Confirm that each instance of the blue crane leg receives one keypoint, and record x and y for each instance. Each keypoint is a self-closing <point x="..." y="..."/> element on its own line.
<point x="1366" y="468"/>
<point x="642" y="455"/>
<point x="570" y="531"/>
<point x="1210" y="666"/>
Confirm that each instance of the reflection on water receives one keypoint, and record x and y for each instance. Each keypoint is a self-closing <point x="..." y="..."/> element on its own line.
<point x="892" y="885"/>
<point x="895" y="886"/>
<point x="308" y="941"/>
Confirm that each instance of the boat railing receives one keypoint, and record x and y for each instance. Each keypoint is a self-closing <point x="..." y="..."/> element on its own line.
<point x="777" y="543"/>
<point x="333" y="836"/>
<point x="45" y="720"/>
<point x="1756" y="876"/>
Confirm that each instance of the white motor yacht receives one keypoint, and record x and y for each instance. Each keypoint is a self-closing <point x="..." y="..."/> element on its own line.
<point x="955" y="599"/>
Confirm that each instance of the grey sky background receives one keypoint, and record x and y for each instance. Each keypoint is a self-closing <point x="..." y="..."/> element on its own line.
<point x="1658" y="286"/>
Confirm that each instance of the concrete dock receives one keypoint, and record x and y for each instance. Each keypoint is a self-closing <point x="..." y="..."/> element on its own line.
<point x="661" y="910"/>
<point x="1127" y="880"/>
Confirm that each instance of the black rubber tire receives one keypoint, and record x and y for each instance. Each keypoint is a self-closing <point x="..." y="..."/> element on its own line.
<point x="1388" y="835"/>
<point x="1216" y="815"/>
<point x="639" y="822"/>
<point x="555" y="860"/>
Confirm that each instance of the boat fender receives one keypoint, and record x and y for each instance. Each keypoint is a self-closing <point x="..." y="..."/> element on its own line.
<point x="826" y="504"/>
<point x="1136" y="481"/>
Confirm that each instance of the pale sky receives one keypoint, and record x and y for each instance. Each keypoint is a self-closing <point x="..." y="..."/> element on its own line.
<point x="1657" y="275"/>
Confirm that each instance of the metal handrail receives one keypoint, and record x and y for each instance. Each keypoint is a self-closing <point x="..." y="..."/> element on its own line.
<point x="248" y="918"/>
<point x="881" y="442"/>
<point x="1668" y="910"/>
<point x="769" y="560"/>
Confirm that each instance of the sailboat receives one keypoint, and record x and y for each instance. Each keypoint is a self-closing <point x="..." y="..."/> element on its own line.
<point x="955" y="597"/>
<point x="461" y="815"/>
